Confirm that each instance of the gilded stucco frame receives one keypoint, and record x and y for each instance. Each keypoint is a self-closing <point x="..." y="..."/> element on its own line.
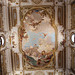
<point x="14" y="20"/>
<point x="14" y="68"/>
<point x="60" y="55"/>
<point x="53" y="25"/>
<point x="72" y="3"/>
<point x="16" y="58"/>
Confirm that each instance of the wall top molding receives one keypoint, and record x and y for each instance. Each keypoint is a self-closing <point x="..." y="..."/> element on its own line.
<point x="35" y="2"/>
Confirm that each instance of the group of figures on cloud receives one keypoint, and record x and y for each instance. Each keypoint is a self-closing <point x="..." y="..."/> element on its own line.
<point x="38" y="59"/>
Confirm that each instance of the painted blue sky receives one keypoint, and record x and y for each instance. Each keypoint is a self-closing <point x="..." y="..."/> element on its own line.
<point x="34" y="38"/>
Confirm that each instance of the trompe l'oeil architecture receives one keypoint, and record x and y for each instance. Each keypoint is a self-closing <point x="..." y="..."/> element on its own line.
<point x="37" y="37"/>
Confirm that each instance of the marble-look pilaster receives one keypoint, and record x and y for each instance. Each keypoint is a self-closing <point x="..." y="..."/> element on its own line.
<point x="56" y="12"/>
<point x="5" y="18"/>
<point x="7" y="33"/>
<point x="8" y="60"/>
<point x="5" y="15"/>
<point x="56" y="16"/>
<point x="8" y="54"/>
<point x="56" y="53"/>
<point x="68" y="27"/>
<point x="21" y="63"/>
<point x="18" y="15"/>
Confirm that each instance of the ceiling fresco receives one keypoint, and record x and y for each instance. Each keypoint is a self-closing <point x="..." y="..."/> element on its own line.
<point x="38" y="38"/>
